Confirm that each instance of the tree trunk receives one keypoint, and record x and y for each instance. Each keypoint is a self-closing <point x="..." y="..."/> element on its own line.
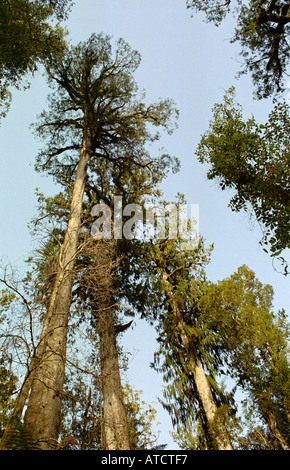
<point x="114" y="420"/>
<point x="42" y="417"/>
<point x="206" y="398"/>
<point x="202" y="386"/>
<point x="98" y="278"/>
<point x="273" y="425"/>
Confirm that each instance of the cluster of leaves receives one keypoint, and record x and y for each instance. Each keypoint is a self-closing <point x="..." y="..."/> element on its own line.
<point x="140" y="418"/>
<point x="28" y="38"/>
<point x="263" y="32"/>
<point x="253" y="160"/>
<point x="18" y="438"/>
<point x="8" y="383"/>
<point x="262" y="29"/>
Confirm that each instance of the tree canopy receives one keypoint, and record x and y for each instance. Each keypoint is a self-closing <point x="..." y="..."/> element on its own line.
<point x="94" y="90"/>
<point x="262" y="30"/>
<point x="28" y="37"/>
<point x="61" y="355"/>
<point x="252" y="159"/>
<point x="96" y="130"/>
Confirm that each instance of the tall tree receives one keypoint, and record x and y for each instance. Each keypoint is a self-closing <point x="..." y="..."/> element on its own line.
<point x="183" y="342"/>
<point x="253" y="160"/>
<point x="95" y="117"/>
<point x="262" y="29"/>
<point x="167" y="293"/>
<point x="239" y="310"/>
<point x="98" y="282"/>
<point x="208" y="331"/>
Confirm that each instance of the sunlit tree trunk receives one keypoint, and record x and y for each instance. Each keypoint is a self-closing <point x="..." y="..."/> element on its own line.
<point x="42" y="417"/>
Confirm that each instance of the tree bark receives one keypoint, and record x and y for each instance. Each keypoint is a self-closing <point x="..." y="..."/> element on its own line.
<point x="114" y="420"/>
<point x="206" y="398"/>
<point x="42" y="417"/>
<point x="202" y="386"/>
<point x="273" y="425"/>
<point x="99" y="278"/>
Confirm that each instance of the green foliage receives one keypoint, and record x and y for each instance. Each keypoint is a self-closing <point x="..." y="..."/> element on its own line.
<point x="257" y="435"/>
<point x="215" y="10"/>
<point x="60" y="8"/>
<point x="27" y="38"/>
<point x="95" y="97"/>
<point x="239" y="312"/>
<point x="140" y="418"/>
<point x="18" y="438"/>
<point x="5" y="101"/>
<point x="6" y="299"/>
<point x="8" y="383"/>
<point x="262" y="30"/>
<point x="253" y="160"/>
<point x="184" y="437"/>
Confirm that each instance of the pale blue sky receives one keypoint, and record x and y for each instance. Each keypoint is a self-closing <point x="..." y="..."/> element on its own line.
<point x="194" y="64"/>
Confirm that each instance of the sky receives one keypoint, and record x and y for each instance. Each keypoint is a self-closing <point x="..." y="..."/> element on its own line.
<point x="183" y="59"/>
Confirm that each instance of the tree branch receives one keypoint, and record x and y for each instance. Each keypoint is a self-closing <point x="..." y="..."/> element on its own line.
<point x="26" y="303"/>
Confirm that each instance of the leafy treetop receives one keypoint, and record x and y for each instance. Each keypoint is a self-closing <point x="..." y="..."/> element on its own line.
<point x="252" y="160"/>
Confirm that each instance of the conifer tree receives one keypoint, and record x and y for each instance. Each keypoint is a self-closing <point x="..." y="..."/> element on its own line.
<point x="167" y="293"/>
<point x="95" y="122"/>
<point x="184" y="344"/>
<point x="239" y="310"/>
<point x="207" y="332"/>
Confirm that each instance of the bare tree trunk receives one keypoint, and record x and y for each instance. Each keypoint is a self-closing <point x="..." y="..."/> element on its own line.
<point x="42" y="417"/>
<point x="202" y="386"/>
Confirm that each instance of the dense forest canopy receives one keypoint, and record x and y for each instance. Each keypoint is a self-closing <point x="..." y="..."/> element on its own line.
<point x="222" y="347"/>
